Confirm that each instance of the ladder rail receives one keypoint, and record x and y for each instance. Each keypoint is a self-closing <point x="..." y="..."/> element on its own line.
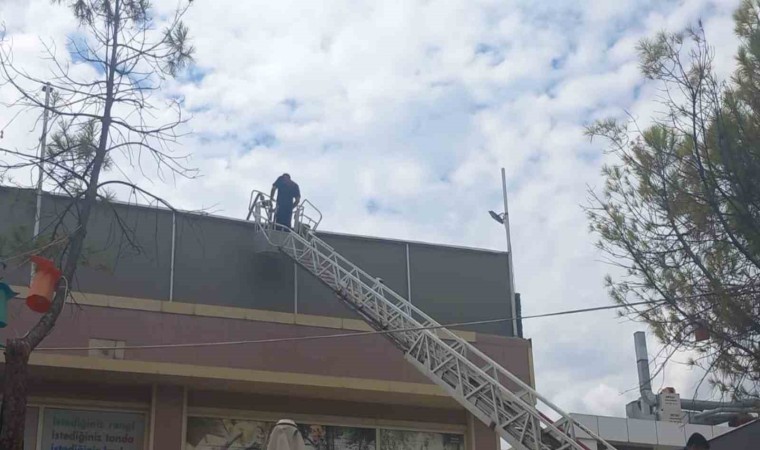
<point x="353" y="271"/>
<point x="427" y="321"/>
<point x="384" y="308"/>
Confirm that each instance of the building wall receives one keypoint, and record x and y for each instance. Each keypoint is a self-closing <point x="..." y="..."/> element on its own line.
<point x="214" y="263"/>
<point x="179" y="279"/>
<point x="143" y="323"/>
<point x="359" y="381"/>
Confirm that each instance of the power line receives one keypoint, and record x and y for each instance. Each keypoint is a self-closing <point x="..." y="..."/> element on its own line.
<point x="343" y="335"/>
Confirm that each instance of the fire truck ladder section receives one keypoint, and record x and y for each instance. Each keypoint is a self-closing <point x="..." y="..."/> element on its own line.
<point x="518" y="413"/>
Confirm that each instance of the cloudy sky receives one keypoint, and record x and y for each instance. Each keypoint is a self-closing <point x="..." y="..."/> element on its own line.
<point x="395" y="117"/>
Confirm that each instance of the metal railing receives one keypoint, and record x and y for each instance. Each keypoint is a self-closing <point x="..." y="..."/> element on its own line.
<point x="306" y="217"/>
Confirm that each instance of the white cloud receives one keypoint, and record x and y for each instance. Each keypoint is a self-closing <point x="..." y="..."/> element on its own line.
<point x="415" y="105"/>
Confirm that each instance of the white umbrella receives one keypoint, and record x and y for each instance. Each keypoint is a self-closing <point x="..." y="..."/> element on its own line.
<point x="285" y="436"/>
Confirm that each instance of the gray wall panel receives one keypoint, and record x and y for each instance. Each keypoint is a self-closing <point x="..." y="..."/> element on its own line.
<point x="216" y="264"/>
<point x="384" y="259"/>
<point x="459" y="285"/>
<point x="110" y="264"/>
<point x="316" y="298"/>
<point x="17" y="209"/>
<point x="135" y="263"/>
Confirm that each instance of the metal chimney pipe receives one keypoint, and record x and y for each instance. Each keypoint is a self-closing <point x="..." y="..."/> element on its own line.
<point x="642" y="364"/>
<point x="702" y="405"/>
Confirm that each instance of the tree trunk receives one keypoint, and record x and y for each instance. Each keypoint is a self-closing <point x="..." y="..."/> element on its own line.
<point x="13" y="411"/>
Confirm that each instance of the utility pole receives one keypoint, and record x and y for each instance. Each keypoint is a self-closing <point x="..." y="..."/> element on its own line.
<point x="509" y="253"/>
<point x="47" y="89"/>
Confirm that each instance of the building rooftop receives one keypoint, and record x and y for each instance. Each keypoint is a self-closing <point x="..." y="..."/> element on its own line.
<point x="626" y="433"/>
<point x="154" y="253"/>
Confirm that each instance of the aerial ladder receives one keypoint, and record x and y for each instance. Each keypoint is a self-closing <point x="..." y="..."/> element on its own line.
<point x="499" y="399"/>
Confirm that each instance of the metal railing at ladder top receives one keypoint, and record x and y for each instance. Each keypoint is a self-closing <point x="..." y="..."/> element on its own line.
<point x="488" y="391"/>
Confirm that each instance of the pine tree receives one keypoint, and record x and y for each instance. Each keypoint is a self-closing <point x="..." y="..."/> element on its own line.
<point x="97" y="118"/>
<point x="680" y="208"/>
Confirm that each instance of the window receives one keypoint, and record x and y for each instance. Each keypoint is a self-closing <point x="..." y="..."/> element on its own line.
<point x="419" y="440"/>
<point x="205" y="433"/>
<point x="68" y="428"/>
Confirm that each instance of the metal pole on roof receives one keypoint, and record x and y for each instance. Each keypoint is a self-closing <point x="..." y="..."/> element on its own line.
<point x="43" y="143"/>
<point x="509" y="252"/>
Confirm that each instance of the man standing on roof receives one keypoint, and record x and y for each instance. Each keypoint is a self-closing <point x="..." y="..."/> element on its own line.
<point x="288" y="196"/>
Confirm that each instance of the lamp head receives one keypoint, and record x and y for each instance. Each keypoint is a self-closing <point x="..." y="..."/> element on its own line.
<point x="497" y="217"/>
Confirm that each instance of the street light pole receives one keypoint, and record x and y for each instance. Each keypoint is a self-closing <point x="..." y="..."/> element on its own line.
<point x="509" y="252"/>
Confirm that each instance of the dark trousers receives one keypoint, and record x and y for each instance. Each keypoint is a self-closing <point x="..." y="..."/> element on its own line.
<point x="283" y="216"/>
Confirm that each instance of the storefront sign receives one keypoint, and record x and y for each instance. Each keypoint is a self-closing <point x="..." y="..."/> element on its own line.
<point x="65" y="429"/>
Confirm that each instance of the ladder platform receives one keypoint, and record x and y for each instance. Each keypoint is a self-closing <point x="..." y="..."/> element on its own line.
<point x="269" y="241"/>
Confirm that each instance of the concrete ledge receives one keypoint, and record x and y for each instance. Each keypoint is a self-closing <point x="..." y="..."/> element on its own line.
<point x="225" y="312"/>
<point x="178" y="308"/>
<point x="43" y="359"/>
<point x="319" y="321"/>
<point x="271" y="316"/>
<point x="354" y="324"/>
<point x="134" y="303"/>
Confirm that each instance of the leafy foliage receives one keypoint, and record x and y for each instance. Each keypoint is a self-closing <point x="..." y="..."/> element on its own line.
<point x="73" y="148"/>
